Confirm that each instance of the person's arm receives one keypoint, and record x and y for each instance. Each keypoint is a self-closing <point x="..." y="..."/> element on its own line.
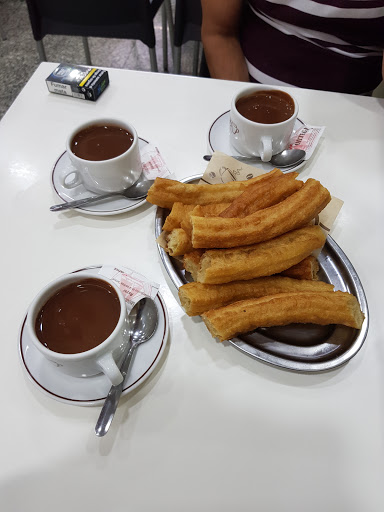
<point x="219" y="34"/>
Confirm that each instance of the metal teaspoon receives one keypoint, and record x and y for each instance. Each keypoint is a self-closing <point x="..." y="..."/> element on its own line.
<point x="143" y="321"/>
<point x="137" y="191"/>
<point x="286" y="158"/>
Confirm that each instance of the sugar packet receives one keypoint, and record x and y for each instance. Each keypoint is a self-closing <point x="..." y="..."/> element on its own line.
<point x="153" y="164"/>
<point x="133" y="285"/>
<point x="306" y="138"/>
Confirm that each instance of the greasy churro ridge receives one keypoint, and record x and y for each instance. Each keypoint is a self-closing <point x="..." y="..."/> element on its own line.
<point x="177" y="215"/>
<point x="218" y="266"/>
<point x="204" y="210"/>
<point x="178" y="240"/>
<point x="293" y="212"/>
<point x="322" y="308"/>
<point x="165" y="192"/>
<point x="196" y="298"/>
<point x="191" y="262"/>
<point x="259" y="196"/>
<point x="305" y="269"/>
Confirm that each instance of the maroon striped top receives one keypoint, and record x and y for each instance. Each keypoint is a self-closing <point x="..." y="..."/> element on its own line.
<point x="333" y="45"/>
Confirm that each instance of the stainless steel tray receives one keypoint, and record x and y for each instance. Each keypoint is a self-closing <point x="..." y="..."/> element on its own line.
<point x="303" y="348"/>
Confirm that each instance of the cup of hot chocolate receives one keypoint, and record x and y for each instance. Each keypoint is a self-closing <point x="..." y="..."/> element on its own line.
<point x="262" y="119"/>
<point x="105" y="156"/>
<point x="79" y="323"/>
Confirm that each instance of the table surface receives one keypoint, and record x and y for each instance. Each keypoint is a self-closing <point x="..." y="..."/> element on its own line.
<point x="211" y="429"/>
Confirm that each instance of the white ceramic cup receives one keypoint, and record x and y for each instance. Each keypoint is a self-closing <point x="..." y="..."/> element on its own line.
<point x="103" y="176"/>
<point x="250" y="138"/>
<point x="101" y="359"/>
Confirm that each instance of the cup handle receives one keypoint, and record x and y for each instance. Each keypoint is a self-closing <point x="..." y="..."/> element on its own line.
<point x="73" y="183"/>
<point x="109" y="367"/>
<point x="266" y="151"/>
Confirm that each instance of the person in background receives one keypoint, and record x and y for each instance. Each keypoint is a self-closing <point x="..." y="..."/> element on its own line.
<point x="334" y="45"/>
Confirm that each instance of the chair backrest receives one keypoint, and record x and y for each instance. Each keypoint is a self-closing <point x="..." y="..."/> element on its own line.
<point x="122" y="19"/>
<point x="188" y="18"/>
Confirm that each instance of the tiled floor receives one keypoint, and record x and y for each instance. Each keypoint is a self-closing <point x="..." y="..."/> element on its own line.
<point x="19" y="57"/>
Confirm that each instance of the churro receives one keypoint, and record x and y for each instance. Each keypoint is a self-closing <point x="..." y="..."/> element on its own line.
<point x="293" y="212"/>
<point x="205" y="210"/>
<point x="321" y="308"/>
<point x="196" y="298"/>
<point x="177" y="215"/>
<point x="178" y="242"/>
<point x="191" y="262"/>
<point x="259" y="196"/>
<point x="165" y="192"/>
<point x="305" y="269"/>
<point x="218" y="266"/>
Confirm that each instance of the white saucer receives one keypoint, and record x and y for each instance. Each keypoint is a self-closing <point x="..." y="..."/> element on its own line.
<point x="111" y="206"/>
<point x="92" y="390"/>
<point x="218" y="140"/>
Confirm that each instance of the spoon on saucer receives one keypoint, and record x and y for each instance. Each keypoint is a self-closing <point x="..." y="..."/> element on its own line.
<point x="137" y="191"/>
<point x="142" y="321"/>
<point x="286" y="158"/>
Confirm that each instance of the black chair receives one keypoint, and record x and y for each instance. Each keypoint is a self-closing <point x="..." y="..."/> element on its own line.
<point x="121" y="19"/>
<point x="188" y="18"/>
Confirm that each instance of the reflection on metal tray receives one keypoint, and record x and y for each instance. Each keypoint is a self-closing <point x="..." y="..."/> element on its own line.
<point x="305" y="347"/>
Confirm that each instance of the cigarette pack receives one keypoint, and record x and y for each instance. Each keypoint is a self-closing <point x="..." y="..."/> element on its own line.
<point x="86" y="83"/>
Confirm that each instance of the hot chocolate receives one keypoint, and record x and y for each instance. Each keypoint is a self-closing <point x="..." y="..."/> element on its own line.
<point x="101" y="142"/>
<point x="267" y="107"/>
<point x="78" y="317"/>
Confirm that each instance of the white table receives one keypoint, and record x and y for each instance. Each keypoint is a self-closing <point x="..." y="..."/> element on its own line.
<point x="211" y="429"/>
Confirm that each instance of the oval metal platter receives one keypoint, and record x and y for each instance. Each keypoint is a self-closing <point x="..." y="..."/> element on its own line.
<point x="305" y="347"/>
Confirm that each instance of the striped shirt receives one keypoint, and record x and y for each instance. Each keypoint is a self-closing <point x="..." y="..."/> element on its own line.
<point x="333" y="45"/>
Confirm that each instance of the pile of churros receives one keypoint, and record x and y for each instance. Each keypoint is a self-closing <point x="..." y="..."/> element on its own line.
<point x="248" y="246"/>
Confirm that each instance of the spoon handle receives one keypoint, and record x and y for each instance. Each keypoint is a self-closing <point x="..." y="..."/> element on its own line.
<point x="81" y="202"/>
<point x="238" y="157"/>
<point x="110" y="405"/>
